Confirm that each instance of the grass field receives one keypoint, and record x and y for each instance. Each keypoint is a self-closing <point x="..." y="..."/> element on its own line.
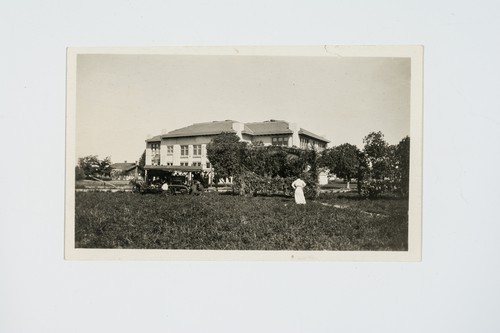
<point x="217" y="221"/>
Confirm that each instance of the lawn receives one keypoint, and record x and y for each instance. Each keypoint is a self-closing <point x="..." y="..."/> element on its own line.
<point x="217" y="221"/>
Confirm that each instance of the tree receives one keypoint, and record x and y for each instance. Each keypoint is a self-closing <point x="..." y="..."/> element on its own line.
<point x="142" y="163"/>
<point x="89" y="165"/>
<point x="93" y="167"/>
<point x="328" y="159"/>
<point x="402" y="158"/>
<point x="362" y="170"/>
<point x="105" y="167"/>
<point x="343" y="161"/>
<point x="388" y="166"/>
<point x="379" y="155"/>
<point x="227" y="153"/>
<point x="346" y="162"/>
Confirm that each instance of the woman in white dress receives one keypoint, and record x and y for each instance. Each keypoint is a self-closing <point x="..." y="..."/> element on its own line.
<point x="298" y="185"/>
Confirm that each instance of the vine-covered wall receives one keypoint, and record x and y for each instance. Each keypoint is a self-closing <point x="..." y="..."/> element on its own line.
<point x="271" y="170"/>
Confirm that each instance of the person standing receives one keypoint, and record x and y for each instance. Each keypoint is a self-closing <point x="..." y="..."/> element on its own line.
<point x="298" y="186"/>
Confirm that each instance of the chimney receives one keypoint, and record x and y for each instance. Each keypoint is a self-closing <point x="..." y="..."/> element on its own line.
<point x="238" y="127"/>
<point x="295" y="136"/>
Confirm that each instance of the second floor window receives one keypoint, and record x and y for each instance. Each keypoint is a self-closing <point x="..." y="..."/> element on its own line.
<point x="208" y="165"/>
<point x="155" y="153"/>
<point x="184" y="150"/>
<point x="184" y="164"/>
<point x="280" y="141"/>
<point x="170" y="150"/>
<point x="196" y="150"/>
<point x="155" y="149"/>
<point x="304" y="143"/>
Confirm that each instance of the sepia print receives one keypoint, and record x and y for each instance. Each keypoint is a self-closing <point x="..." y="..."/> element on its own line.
<point x="244" y="153"/>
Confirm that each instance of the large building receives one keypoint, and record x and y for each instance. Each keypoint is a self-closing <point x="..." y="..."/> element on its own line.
<point x="185" y="148"/>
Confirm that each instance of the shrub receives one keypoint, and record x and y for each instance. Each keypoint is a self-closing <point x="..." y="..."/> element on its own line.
<point x="256" y="184"/>
<point x="375" y="187"/>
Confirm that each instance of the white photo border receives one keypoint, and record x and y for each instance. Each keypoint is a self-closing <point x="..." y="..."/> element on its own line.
<point x="414" y="253"/>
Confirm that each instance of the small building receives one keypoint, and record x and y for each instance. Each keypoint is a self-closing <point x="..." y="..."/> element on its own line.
<point x="124" y="171"/>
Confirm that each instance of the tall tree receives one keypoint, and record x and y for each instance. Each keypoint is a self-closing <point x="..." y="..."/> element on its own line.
<point x="227" y="154"/>
<point x="378" y="155"/>
<point x="362" y="171"/>
<point x="328" y="159"/>
<point x="346" y="162"/>
<point x="342" y="161"/>
<point x="402" y="158"/>
<point x="142" y="163"/>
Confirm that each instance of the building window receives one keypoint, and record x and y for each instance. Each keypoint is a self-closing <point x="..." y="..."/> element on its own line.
<point x="197" y="150"/>
<point x="184" y="164"/>
<point x="304" y="143"/>
<point x="208" y="165"/>
<point x="280" y="141"/>
<point x="170" y="150"/>
<point x="169" y="163"/>
<point x="196" y="163"/>
<point x="184" y="150"/>
<point x="155" y="153"/>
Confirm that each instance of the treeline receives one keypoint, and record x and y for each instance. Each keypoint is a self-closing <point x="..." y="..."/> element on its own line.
<point x="378" y="167"/>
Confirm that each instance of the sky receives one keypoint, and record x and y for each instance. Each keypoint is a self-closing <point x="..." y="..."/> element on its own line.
<point x="121" y="100"/>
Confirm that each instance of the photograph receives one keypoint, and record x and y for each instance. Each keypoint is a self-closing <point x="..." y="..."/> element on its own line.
<point x="244" y="153"/>
<point x="250" y="166"/>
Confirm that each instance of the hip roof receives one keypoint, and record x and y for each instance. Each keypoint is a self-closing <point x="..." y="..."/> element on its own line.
<point x="270" y="127"/>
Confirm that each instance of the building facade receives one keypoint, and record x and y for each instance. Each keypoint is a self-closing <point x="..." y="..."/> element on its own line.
<point x="187" y="146"/>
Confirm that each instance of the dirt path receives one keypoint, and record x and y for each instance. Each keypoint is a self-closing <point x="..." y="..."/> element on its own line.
<point x="346" y="206"/>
